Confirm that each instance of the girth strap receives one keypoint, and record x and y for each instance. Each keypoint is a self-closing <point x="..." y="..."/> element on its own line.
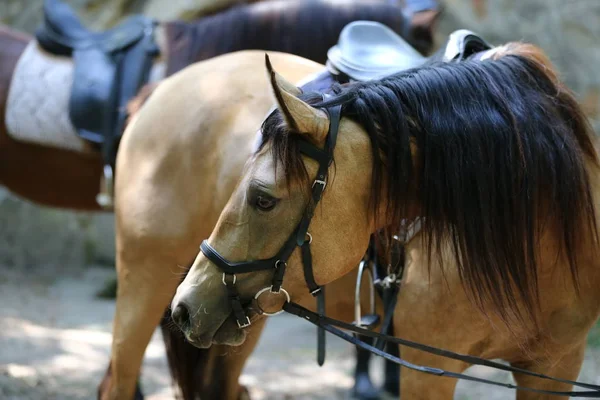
<point x="333" y="326"/>
<point x="389" y="300"/>
<point x="390" y="291"/>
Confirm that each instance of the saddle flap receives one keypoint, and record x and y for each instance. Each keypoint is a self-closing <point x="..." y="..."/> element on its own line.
<point x="93" y="94"/>
<point x="369" y="50"/>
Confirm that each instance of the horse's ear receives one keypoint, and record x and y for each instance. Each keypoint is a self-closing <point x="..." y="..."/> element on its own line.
<point x="300" y="116"/>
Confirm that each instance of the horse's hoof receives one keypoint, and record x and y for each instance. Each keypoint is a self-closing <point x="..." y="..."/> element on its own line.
<point x="364" y="389"/>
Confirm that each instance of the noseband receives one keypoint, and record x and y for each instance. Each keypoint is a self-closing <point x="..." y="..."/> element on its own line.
<point x="299" y="237"/>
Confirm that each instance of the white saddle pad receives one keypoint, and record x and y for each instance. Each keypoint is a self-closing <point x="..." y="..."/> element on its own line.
<point x="37" y="109"/>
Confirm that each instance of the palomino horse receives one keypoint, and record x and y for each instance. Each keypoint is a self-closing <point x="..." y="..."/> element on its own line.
<point x="498" y="159"/>
<point x="168" y="198"/>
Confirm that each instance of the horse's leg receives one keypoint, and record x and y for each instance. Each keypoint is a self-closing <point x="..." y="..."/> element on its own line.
<point x="146" y="284"/>
<point x="230" y="367"/>
<point x="565" y="367"/>
<point x="363" y="386"/>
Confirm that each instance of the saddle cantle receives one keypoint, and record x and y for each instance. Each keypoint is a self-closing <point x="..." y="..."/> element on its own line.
<point x="461" y="45"/>
<point x="369" y="50"/>
<point x="110" y="68"/>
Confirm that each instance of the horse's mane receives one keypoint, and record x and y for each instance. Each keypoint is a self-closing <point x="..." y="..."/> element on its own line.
<point x="501" y="155"/>
<point x="307" y="28"/>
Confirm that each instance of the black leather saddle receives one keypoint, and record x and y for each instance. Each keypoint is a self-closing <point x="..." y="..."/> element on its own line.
<point x="110" y="68"/>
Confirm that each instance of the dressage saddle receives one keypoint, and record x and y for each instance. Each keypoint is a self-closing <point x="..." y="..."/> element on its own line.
<point x="110" y="68"/>
<point x="370" y="50"/>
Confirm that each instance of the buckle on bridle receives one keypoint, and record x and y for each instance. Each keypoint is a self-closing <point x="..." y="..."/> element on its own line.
<point x="244" y="325"/>
<point x="223" y="279"/>
<point x="319" y="182"/>
<point x="390" y="280"/>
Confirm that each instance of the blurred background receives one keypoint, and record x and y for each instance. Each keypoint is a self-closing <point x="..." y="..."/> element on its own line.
<point x="55" y="245"/>
<point x="568" y="30"/>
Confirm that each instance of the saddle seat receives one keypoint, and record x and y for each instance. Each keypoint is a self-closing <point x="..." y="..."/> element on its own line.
<point x="63" y="32"/>
<point x="369" y="50"/>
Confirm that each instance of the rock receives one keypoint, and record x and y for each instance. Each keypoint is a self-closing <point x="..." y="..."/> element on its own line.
<point x="569" y="32"/>
<point x="34" y="237"/>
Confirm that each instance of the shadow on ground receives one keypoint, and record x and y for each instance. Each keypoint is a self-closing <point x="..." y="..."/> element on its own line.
<point x="55" y="344"/>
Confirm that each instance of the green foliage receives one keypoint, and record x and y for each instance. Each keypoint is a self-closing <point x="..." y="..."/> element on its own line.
<point x="594" y="336"/>
<point x="109" y="290"/>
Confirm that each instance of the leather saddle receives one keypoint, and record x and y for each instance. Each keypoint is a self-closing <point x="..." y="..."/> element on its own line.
<point x="370" y="50"/>
<point x="110" y="69"/>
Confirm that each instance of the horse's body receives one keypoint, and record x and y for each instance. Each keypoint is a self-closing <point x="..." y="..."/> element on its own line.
<point x="536" y="319"/>
<point x="439" y="313"/>
<point x="168" y="199"/>
<point x="71" y="180"/>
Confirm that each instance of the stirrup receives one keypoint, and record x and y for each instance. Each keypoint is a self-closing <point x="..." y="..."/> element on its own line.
<point x="106" y="196"/>
<point x="367" y="321"/>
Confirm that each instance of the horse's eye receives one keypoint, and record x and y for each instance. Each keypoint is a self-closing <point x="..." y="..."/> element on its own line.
<point x="265" y="203"/>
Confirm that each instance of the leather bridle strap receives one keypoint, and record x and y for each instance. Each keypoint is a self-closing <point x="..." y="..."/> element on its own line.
<point x="333" y="326"/>
<point x="298" y="238"/>
<point x="316" y="290"/>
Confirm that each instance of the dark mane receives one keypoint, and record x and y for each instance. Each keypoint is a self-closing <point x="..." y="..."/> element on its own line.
<point x="502" y="152"/>
<point x="307" y="28"/>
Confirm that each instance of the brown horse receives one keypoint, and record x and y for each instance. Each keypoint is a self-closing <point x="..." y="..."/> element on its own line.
<point x="498" y="158"/>
<point x="71" y="179"/>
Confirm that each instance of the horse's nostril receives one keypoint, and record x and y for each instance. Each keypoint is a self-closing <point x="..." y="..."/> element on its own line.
<point x="181" y="315"/>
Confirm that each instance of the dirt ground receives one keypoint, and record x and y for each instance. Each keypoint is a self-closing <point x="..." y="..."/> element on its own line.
<point x="55" y="343"/>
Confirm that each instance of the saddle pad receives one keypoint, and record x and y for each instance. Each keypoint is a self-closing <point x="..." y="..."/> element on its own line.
<point x="37" y="109"/>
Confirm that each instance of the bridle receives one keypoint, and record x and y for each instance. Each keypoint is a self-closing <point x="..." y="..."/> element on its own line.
<point x="300" y="237"/>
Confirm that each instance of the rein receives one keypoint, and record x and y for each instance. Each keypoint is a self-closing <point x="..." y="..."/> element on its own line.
<point x="300" y="237"/>
<point x="335" y="327"/>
